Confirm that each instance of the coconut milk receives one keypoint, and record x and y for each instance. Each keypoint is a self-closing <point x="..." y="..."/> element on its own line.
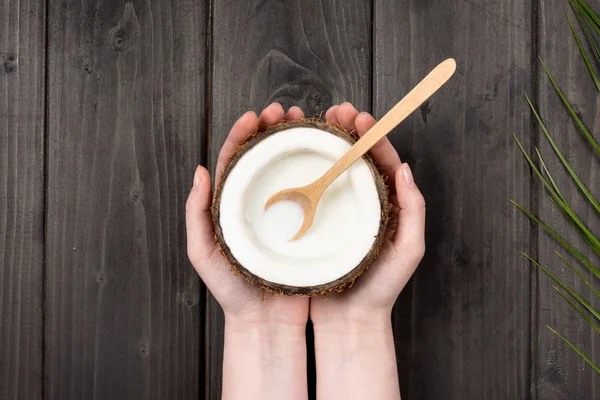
<point x="277" y="224"/>
<point x="346" y="220"/>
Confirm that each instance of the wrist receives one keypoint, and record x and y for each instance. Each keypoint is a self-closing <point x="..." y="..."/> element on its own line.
<point x="354" y="324"/>
<point x="267" y="339"/>
<point x="347" y="336"/>
<point x="360" y="352"/>
<point x="235" y="325"/>
<point x="264" y="358"/>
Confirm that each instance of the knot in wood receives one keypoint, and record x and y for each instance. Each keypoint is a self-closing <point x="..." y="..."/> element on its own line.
<point x="125" y="34"/>
<point x="144" y="349"/>
<point x="118" y="42"/>
<point x="317" y="102"/>
<point x="9" y="64"/>
<point x="188" y="299"/>
<point x="136" y="195"/>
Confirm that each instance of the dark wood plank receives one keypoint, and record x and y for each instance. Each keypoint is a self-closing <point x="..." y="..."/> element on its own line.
<point x="391" y="81"/>
<point x="126" y="125"/>
<point x="309" y="53"/>
<point x="22" y="93"/>
<point x="559" y="372"/>
<point x="471" y="295"/>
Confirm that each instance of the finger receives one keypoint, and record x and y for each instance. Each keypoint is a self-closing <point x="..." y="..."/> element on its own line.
<point x="294" y="113"/>
<point x="330" y="115"/>
<point x="346" y="114"/>
<point x="243" y="127"/>
<point x="270" y="116"/>
<point x="198" y="222"/>
<point x="383" y="152"/>
<point x="410" y="233"/>
<point x="201" y="246"/>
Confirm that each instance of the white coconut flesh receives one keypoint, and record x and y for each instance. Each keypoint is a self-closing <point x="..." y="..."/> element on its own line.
<point x="346" y="222"/>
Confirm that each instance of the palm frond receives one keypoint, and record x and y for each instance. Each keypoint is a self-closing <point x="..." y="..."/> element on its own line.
<point x="586" y="59"/>
<point x="574" y="115"/>
<point x="577" y="297"/>
<point x="580" y="311"/>
<point x="549" y="185"/>
<point x="560" y="239"/>
<point x="584" y="25"/>
<point x="579" y="274"/>
<point x="571" y="345"/>
<point x="589" y="14"/>
<point x="549" y="175"/>
<point x="568" y="210"/>
<point x="586" y="19"/>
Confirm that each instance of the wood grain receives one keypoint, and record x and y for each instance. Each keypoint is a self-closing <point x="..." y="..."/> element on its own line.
<point x="22" y="94"/>
<point x="470" y="306"/>
<point x="559" y="372"/>
<point x="308" y="53"/>
<point x="126" y="121"/>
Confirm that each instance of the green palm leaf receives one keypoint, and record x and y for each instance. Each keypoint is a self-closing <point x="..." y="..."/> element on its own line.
<point x="586" y="18"/>
<point x="586" y="59"/>
<point x="589" y="14"/>
<point x="579" y="274"/>
<point x="549" y="175"/>
<point x="574" y="115"/>
<point x="584" y="25"/>
<point x="577" y="297"/>
<point x="571" y="345"/>
<point x="580" y="311"/>
<point x="559" y="238"/>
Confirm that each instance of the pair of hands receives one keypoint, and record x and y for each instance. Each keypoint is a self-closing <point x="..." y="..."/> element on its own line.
<point x="265" y="350"/>
<point x="374" y="293"/>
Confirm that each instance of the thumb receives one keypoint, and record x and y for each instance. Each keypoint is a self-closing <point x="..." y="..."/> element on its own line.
<point x="409" y="238"/>
<point x="198" y="219"/>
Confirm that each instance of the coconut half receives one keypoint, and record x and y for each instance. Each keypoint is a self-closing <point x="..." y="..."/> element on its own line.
<point x="349" y="224"/>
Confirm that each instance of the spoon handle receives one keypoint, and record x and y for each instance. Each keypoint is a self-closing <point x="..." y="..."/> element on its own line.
<point x="420" y="93"/>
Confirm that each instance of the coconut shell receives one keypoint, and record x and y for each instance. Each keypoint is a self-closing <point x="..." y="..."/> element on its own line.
<point x="339" y="284"/>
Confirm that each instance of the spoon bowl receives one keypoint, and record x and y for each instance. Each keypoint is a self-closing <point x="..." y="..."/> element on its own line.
<point x="300" y="196"/>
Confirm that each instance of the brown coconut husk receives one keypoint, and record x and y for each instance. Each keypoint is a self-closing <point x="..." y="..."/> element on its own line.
<point x="337" y="285"/>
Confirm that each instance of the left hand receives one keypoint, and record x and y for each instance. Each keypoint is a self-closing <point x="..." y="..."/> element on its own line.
<point x="354" y="343"/>
<point x="369" y="304"/>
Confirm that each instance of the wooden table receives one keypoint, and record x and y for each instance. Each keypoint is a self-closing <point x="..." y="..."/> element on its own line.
<point x="106" y="107"/>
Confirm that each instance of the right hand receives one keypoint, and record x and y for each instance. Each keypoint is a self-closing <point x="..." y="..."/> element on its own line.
<point x="242" y="303"/>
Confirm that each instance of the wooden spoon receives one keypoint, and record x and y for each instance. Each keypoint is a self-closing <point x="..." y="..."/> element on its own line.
<point x="308" y="196"/>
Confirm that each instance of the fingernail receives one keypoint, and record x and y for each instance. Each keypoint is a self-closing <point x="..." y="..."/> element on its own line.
<point x="408" y="177"/>
<point x="275" y="102"/>
<point x="197" y="177"/>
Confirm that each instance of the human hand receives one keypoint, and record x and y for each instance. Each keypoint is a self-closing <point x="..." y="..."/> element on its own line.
<point x="354" y="344"/>
<point x="242" y="303"/>
<point x="373" y="296"/>
<point x="265" y="348"/>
